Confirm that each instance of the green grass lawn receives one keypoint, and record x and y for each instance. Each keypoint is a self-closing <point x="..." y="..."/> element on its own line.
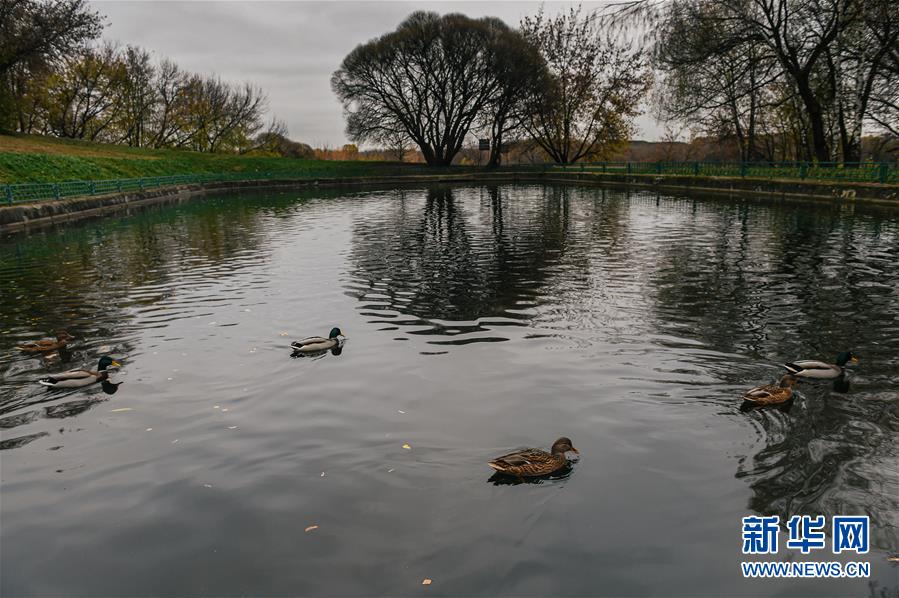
<point x="37" y="159"/>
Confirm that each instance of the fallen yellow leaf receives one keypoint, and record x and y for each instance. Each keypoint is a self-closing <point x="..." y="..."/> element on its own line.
<point x="311" y="527"/>
<point x="119" y="410"/>
<point x="426" y="582"/>
<point x="406" y="446"/>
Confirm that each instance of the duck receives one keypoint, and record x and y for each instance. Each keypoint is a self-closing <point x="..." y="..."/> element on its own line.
<point x="79" y="378"/>
<point x="532" y="462"/>
<point x="772" y="394"/>
<point x="314" y="344"/>
<point x="48" y="344"/>
<point x="819" y="369"/>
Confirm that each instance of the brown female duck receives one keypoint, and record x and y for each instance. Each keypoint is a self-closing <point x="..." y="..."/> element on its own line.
<point x="535" y="462"/>
<point x="770" y="394"/>
<point x="47" y="344"/>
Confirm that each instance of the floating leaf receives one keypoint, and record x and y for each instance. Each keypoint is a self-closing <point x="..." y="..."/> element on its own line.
<point x="403" y="412"/>
<point x="120" y="410"/>
<point x="407" y="447"/>
<point x="149" y="429"/>
<point x="426" y="582"/>
<point x="311" y="528"/>
<point x="323" y="474"/>
<point x="232" y="427"/>
<point x="225" y="409"/>
<point x="390" y="470"/>
<point x="207" y="485"/>
<point x="215" y="407"/>
<point x="282" y="334"/>
<point x="174" y="441"/>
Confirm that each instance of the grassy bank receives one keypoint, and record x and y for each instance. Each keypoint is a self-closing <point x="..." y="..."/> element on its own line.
<point x="37" y="159"/>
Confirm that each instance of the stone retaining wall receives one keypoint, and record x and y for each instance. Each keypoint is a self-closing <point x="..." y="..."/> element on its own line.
<point x="38" y="214"/>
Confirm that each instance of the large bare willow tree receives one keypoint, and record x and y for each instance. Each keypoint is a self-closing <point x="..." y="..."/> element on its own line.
<point x="428" y="81"/>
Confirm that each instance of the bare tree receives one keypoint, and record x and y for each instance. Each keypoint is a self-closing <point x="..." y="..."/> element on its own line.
<point x="719" y="86"/>
<point x="823" y="65"/>
<point x="35" y="34"/>
<point x="138" y="97"/>
<point x="169" y="87"/>
<point x="83" y="99"/>
<point x="596" y="83"/>
<point x="429" y="79"/>
<point x="521" y="71"/>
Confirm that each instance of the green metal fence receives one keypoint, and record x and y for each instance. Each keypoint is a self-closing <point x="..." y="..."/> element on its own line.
<point x="42" y="191"/>
<point x="860" y="172"/>
<point x="867" y="172"/>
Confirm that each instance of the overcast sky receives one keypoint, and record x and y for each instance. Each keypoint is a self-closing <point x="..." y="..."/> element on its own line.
<point x="289" y="49"/>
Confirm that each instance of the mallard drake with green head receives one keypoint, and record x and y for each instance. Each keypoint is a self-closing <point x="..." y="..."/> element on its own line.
<point x="79" y="378"/>
<point x="314" y="344"/>
<point x="48" y="344"/>
<point x="819" y="369"/>
<point x="771" y="394"/>
<point x="533" y="461"/>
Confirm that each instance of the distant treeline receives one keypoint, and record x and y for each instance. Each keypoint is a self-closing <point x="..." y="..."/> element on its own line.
<point x="751" y="80"/>
<point x="54" y="81"/>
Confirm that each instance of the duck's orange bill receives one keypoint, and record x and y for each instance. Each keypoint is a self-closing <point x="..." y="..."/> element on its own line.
<point x="117" y="364"/>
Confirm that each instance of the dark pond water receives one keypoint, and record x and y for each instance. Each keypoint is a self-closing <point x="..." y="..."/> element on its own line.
<point x="480" y="319"/>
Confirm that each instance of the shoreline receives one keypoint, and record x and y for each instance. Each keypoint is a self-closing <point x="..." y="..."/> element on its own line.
<point x="27" y="215"/>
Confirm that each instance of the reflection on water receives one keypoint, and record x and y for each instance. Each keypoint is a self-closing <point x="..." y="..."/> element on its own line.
<point x="335" y="351"/>
<point x="630" y="321"/>
<point x="768" y="285"/>
<point x="504" y="479"/>
<point x="480" y="265"/>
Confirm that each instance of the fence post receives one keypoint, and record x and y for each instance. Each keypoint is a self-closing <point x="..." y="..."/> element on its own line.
<point x="742" y="169"/>
<point x="658" y="167"/>
<point x="9" y="194"/>
<point x="695" y="168"/>
<point x="803" y="170"/>
<point x="884" y="172"/>
<point x="93" y="188"/>
<point x="604" y="168"/>
<point x="628" y="167"/>
<point x="56" y="190"/>
<point x="140" y="183"/>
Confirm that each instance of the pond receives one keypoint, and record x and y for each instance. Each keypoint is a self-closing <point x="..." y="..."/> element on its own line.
<point x="478" y="319"/>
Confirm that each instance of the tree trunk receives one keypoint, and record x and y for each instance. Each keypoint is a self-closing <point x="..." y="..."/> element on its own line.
<point x="820" y="150"/>
<point x="495" y="150"/>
